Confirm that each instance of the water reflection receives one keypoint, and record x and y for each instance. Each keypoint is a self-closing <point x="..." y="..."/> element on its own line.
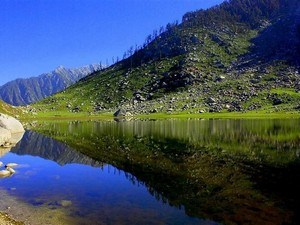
<point x="35" y="144"/>
<point x="270" y="140"/>
<point x="53" y="188"/>
<point x="230" y="171"/>
<point x="216" y="169"/>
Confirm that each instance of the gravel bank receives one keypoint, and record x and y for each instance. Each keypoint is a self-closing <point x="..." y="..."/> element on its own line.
<point x="6" y="220"/>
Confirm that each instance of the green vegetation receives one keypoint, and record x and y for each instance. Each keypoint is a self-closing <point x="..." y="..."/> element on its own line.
<point x="82" y="116"/>
<point x="216" y="169"/>
<point x="214" y="61"/>
<point x="256" y="139"/>
<point x="8" y="109"/>
<point x="212" y="65"/>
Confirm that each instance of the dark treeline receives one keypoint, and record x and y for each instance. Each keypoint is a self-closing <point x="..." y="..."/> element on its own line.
<point x="173" y="39"/>
<point x="249" y="12"/>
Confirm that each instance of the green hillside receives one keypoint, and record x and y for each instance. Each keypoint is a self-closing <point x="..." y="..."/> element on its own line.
<point x="239" y="56"/>
<point x="8" y="109"/>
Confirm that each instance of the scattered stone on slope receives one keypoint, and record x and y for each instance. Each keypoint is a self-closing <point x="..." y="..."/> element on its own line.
<point x="120" y="112"/>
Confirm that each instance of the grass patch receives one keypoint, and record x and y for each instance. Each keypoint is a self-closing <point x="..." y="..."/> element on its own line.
<point x="262" y="114"/>
<point x="287" y="91"/>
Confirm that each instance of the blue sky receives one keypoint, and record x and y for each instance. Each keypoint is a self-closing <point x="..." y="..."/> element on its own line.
<point x="36" y="36"/>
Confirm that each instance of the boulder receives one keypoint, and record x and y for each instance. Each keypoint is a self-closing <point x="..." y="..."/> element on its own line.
<point x="5" y="136"/>
<point x="4" y="151"/>
<point x="15" y="138"/>
<point x="11" y="124"/>
<point x="211" y="100"/>
<point x="120" y="112"/>
<point x="11" y="132"/>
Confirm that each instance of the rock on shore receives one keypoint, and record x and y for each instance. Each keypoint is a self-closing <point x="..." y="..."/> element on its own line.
<point x="5" y="136"/>
<point x="11" y="130"/>
<point x="11" y="124"/>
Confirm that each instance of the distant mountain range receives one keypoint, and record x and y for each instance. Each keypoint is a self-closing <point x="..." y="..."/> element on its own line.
<point x="238" y="56"/>
<point x="26" y="91"/>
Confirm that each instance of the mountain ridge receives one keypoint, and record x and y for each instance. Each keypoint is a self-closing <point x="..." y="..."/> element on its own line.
<point x="55" y="151"/>
<point x="233" y="57"/>
<point x="23" y="91"/>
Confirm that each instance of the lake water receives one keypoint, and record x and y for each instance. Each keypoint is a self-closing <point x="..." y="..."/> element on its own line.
<point x="156" y="172"/>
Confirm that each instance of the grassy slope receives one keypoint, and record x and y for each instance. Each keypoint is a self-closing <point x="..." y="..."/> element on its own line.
<point x="203" y="53"/>
<point x="8" y="109"/>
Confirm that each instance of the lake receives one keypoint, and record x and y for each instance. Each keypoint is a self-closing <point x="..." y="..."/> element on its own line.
<point x="188" y="171"/>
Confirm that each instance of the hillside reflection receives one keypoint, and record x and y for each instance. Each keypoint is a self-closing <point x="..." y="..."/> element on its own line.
<point x="230" y="171"/>
<point x="35" y="144"/>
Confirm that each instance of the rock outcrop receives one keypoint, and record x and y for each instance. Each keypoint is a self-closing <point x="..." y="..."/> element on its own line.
<point x="11" y="131"/>
<point x="11" y="124"/>
<point x="5" y="136"/>
<point x="120" y="112"/>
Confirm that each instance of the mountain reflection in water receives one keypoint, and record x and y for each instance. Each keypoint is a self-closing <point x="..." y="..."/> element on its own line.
<point x="229" y="171"/>
<point x="36" y="144"/>
<point x="54" y="185"/>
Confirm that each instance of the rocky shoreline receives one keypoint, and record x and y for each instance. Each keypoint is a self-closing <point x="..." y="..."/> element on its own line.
<point x="6" y="220"/>
<point x="11" y="132"/>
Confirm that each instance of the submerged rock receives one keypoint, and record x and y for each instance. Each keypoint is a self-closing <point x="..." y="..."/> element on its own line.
<point x="6" y="172"/>
<point x="11" y="165"/>
<point x="65" y="203"/>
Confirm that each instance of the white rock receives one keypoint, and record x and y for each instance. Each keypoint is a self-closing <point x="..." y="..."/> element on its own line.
<point x="11" y="132"/>
<point x="11" y="124"/>
<point x="5" y="173"/>
<point x="5" y="136"/>
<point x="11" y="165"/>
<point x="4" y="151"/>
<point x="15" y="138"/>
<point x="11" y="170"/>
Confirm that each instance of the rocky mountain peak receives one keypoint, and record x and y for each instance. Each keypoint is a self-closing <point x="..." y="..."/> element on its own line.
<point x="26" y="91"/>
